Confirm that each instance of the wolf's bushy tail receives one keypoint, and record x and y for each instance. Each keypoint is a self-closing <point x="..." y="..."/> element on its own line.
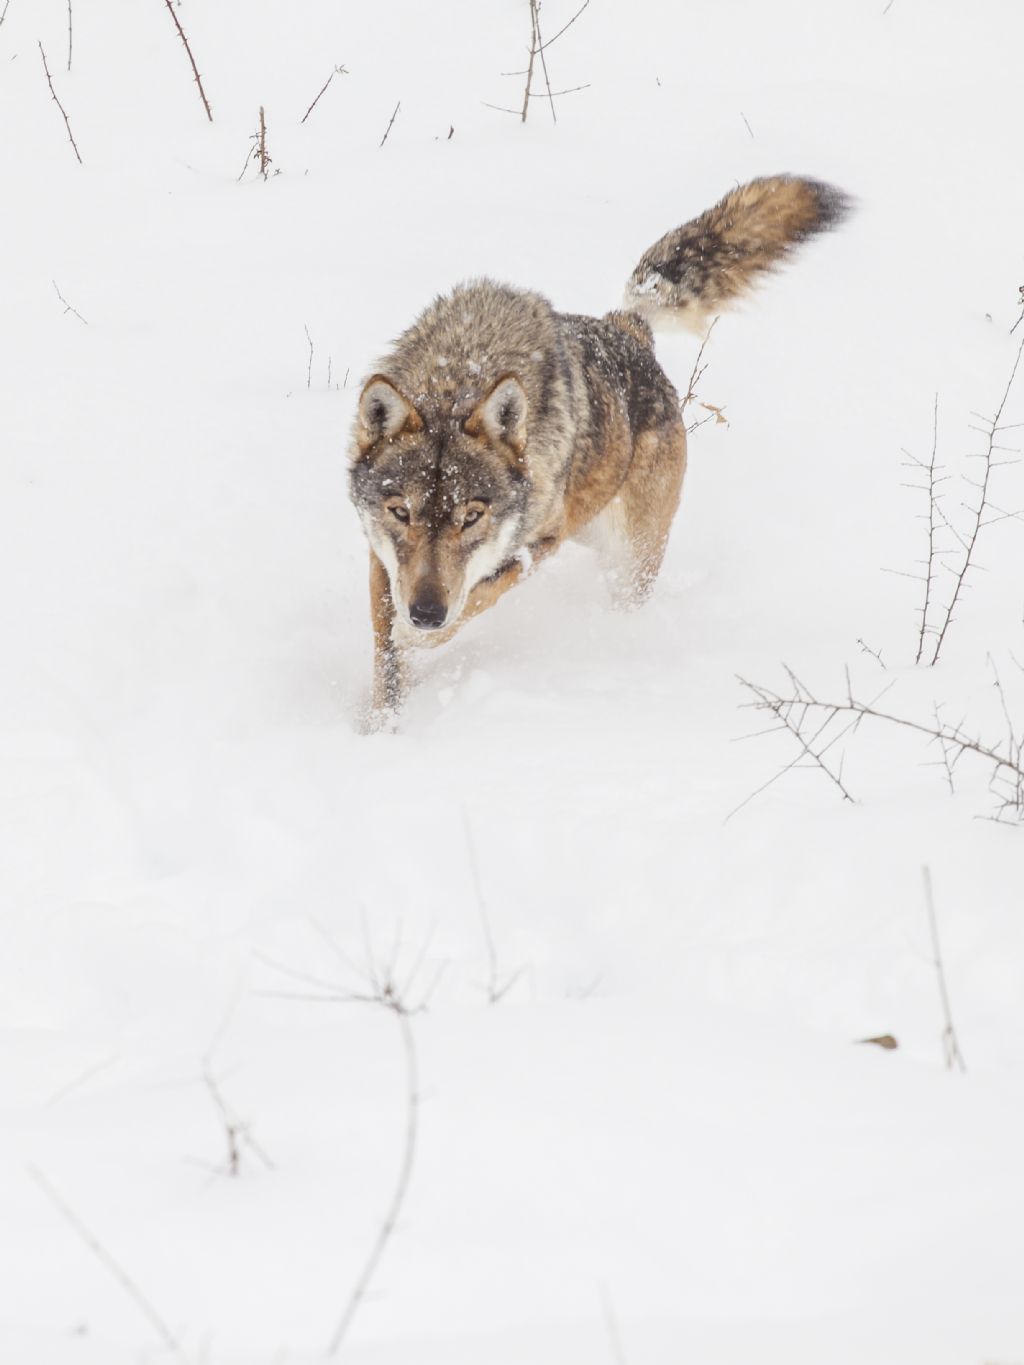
<point x="698" y="269"/>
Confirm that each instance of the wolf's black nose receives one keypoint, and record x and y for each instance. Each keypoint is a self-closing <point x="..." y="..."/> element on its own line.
<point x="428" y="614"/>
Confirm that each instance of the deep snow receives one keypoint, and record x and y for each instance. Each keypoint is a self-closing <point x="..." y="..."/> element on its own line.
<point x="666" y="1112"/>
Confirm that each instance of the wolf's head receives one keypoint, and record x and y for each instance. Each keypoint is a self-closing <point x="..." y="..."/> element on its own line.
<point x="440" y="487"/>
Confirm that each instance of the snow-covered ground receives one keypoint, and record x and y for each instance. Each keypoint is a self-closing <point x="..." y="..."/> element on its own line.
<point x="661" y="1143"/>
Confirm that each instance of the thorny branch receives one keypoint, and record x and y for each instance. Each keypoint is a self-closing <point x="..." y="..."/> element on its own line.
<point x="992" y="429"/>
<point x="192" y="60"/>
<point x="67" y="123"/>
<point x="819" y="725"/>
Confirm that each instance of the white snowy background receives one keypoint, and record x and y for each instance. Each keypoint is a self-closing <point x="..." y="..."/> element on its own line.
<point x="662" y="1144"/>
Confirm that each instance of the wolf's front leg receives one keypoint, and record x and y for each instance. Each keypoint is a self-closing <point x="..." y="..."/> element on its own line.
<point x="389" y="671"/>
<point x="485" y="594"/>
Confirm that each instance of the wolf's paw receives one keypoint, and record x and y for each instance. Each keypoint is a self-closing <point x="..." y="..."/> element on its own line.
<point x="377" y="720"/>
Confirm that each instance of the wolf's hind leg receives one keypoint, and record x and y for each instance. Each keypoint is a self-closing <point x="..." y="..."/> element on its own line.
<point x="645" y="506"/>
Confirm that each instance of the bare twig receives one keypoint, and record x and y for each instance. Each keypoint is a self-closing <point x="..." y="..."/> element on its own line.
<point x="950" y="1044"/>
<point x="67" y="123"/>
<point x="391" y="121"/>
<point x="991" y="431"/>
<point x="7" y="5"/>
<point x="69" y="35"/>
<point x="495" y="990"/>
<point x="338" y="71"/>
<point x="192" y="60"/>
<point x="236" y="1131"/>
<point x="537" y="49"/>
<point x="696" y="374"/>
<point x="748" y="127"/>
<point x="875" y="654"/>
<point x="67" y="306"/>
<point x="309" y="369"/>
<point x="104" y="1257"/>
<point x="932" y="504"/>
<point x="800" y="711"/>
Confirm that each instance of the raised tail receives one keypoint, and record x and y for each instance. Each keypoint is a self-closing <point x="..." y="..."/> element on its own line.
<point x="698" y="269"/>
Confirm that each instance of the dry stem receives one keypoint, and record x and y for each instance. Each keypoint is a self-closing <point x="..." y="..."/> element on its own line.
<point x="950" y="1044"/>
<point x="338" y="71"/>
<point x="67" y="306"/>
<point x="192" y="60"/>
<point x="387" y="130"/>
<point x="67" y="123"/>
<point x="104" y="1257"/>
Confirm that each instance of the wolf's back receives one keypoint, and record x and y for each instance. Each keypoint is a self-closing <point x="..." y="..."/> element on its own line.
<point x="698" y="269"/>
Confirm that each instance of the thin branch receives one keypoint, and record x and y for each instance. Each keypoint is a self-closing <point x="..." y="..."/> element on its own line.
<point x="338" y="71"/>
<point x="69" y="35"/>
<point x="390" y="123"/>
<point x="309" y="370"/>
<point x="930" y="572"/>
<point x="979" y="511"/>
<point x="67" y="306"/>
<point x="394" y="1004"/>
<point x="192" y="60"/>
<point x="104" y="1257"/>
<point x="950" y="1044"/>
<point x="67" y="123"/>
<point x="7" y="5"/>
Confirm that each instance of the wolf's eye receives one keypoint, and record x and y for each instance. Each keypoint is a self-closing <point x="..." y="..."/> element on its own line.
<point x="473" y="515"/>
<point x="400" y="513"/>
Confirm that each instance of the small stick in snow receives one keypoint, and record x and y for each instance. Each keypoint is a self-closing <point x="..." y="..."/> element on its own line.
<point x="67" y="306"/>
<point x="749" y="129"/>
<point x="69" y="35"/>
<point x="261" y="145"/>
<point x="236" y="1131"/>
<point x="104" y="1257"/>
<point x="67" y="123"/>
<point x="338" y="71"/>
<point x="192" y="60"/>
<point x="390" y="122"/>
<point x="495" y="992"/>
<point x="7" y="5"/>
<point x="950" y="1045"/>
<point x="1020" y="291"/>
<point x="309" y="369"/>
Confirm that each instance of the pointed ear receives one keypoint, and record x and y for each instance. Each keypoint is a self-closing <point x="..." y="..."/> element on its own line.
<point x="501" y="417"/>
<point x="383" y="412"/>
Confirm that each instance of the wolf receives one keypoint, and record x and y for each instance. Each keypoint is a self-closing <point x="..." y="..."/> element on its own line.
<point x="497" y="428"/>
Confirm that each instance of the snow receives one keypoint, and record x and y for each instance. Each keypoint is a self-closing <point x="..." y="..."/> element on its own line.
<point x="666" y="1117"/>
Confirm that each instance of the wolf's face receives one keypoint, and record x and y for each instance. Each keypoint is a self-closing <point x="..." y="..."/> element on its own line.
<point x="441" y="496"/>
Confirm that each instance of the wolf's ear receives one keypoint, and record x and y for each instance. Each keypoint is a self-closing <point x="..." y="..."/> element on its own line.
<point x="501" y="416"/>
<point x="383" y="412"/>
